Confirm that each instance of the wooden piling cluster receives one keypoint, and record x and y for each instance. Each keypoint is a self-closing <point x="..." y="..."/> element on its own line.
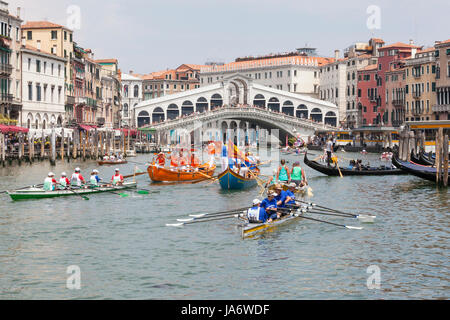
<point x="86" y="145"/>
<point x="411" y="141"/>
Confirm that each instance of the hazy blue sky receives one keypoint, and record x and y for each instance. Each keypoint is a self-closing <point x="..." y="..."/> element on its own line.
<point x="152" y="35"/>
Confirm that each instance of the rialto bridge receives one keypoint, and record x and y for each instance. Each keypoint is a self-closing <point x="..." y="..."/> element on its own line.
<point x="232" y="104"/>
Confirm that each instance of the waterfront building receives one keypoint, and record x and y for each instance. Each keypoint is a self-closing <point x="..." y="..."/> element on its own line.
<point x="420" y="86"/>
<point x="442" y="54"/>
<point x="132" y="95"/>
<point x="295" y="72"/>
<point x="55" y="39"/>
<point x="111" y="93"/>
<point x="10" y="66"/>
<point x="368" y="97"/>
<point x="161" y="83"/>
<point x="395" y="94"/>
<point x="43" y="86"/>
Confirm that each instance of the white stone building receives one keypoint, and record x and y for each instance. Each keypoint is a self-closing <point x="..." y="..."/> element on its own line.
<point x="43" y="88"/>
<point x="10" y="65"/>
<point x="294" y="72"/>
<point x="132" y="95"/>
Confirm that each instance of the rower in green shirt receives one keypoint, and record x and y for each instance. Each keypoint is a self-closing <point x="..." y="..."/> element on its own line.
<point x="298" y="175"/>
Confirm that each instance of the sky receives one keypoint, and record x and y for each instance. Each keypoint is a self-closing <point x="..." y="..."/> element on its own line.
<point x="154" y="35"/>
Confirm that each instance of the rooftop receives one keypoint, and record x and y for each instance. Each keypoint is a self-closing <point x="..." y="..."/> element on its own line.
<point x="41" y="25"/>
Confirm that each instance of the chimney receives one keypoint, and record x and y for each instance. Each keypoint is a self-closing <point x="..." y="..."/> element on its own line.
<point x="411" y="41"/>
<point x="336" y="54"/>
<point x="18" y="12"/>
<point x="131" y="71"/>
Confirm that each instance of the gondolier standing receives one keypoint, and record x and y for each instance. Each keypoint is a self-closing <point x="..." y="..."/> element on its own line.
<point x="329" y="149"/>
<point x="224" y="158"/>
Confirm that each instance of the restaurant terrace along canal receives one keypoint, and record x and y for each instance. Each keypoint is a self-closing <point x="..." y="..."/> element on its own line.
<point x="124" y="249"/>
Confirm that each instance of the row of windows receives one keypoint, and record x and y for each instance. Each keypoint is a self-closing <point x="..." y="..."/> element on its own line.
<point x="42" y="67"/>
<point x="168" y="86"/>
<point x="41" y="92"/>
<point x="53" y="35"/>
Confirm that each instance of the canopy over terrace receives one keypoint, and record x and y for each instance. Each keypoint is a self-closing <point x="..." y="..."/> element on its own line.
<point x="12" y="129"/>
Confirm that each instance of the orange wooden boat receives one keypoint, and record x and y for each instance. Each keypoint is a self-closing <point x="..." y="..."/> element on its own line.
<point x="158" y="174"/>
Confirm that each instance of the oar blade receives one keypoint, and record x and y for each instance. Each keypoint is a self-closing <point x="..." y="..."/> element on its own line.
<point x="354" y="228"/>
<point x="143" y="192"/>
<point x="197" y="215"/>
<point x="366" y="219"/>
<point x="185" y="220"/>
<point x="175" y="225"/>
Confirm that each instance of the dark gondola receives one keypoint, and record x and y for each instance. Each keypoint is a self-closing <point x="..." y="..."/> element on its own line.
<point x="426" y="160"/>
<point x="417" y="159"/>
<point x="424" y="172"/>
<point x="333" y="171"/>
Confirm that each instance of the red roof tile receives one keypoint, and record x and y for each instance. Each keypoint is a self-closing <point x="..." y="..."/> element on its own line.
<point x="41" y="25"/>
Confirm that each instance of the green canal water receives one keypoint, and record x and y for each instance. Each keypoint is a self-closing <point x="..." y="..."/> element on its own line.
<point x="125" y="251"/>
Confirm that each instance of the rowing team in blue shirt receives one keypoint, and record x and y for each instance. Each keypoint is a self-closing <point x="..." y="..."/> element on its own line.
<point x="267" y="210"/>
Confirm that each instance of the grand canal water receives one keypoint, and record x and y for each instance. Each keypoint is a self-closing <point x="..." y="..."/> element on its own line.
<point x="125" y="251"/>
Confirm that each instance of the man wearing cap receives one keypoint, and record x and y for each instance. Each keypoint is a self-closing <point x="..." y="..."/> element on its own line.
<point x="290" y="194"/>
<point x="94" y="180"/>
<point x="270" y="205"/>
<point x="256" y="214"/>
<point x="281" y="196"/>
<point x="50" y="182"/>
<point x="63" y="181"/>
<point x="117" y="178"/>
<point x="77" y="179"/>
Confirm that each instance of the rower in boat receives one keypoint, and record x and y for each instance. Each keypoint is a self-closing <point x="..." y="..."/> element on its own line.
<point x="283" y="173"/>
<point x="50" y="182"/>
<point x="298" y="175"/>
<point x="195" y="162"/>
<point x="290" y="194"/>
<point x="117" y="178"/>
<point x="281" y="196"/>
<point x="94" y="179"/>
<point x="161" y="160"/>
<point x="77" y="179"/>
<point x="64" y="182"/>
<point x="270" y="205"/>
<point x="257" y="214"/>
<point x="273" y="179"/>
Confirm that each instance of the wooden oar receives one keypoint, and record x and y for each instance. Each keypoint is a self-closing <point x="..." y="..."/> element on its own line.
<point x="327" y="222"/>
<point x="313" y="205"/>
<point x="70" y="189"/>
<point x="201" y="221"/>
<point x="201" y="217"/>
<point x="337" y="165"/>
<point x="216" y="213"/>
<point x="361" y="217"/>
<point x="132" y="175"/>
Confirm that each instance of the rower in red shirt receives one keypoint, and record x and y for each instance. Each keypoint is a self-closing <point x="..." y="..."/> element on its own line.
<point x="117" y="178"/>
<point x="161" y="159"/>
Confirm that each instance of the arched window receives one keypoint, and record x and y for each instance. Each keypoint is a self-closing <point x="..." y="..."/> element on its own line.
<point x="125" y="90"/>
<point x="216" y="101"/>
<point x="187" y="108"/>
<point x="302" y="112"/>
<point x="288" y="108"/>
<point x="316" y="115"/>
<point x="157" y="115"/>
<point x="331" y="119"/>
<point x="259" y="101"/>
<point x="125" y="110"/>
<point x="136" y="91"/>
<point x="143" y="118"/>
<point x="274" y="105"/>
<point x="201" y="105"/>
<point x="173" y="112"/>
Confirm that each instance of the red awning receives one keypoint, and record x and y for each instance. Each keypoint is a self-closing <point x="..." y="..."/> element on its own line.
<point x="13" y="129"/>
<point x="87" y="128"/>
<point x="132" y="132"/>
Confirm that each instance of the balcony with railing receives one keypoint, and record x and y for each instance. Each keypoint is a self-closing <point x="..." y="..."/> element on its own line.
<point x="441" y="108"/>
<point x="6" y="98"/>
<point x="398" y="102"/>
<point x="5" y="69"/>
